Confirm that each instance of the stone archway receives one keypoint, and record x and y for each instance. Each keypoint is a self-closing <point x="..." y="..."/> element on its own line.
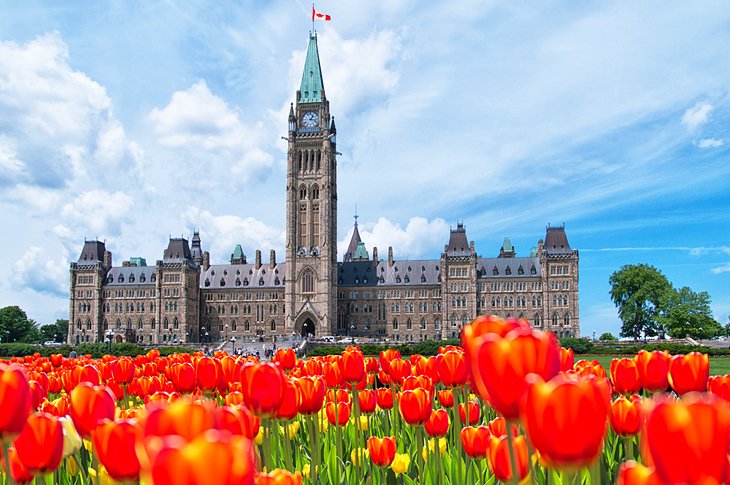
<point x="308" y="328"/>
<point x="118" y="339"/>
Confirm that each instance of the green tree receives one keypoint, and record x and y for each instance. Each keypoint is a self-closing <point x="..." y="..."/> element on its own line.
<point x="61" y="330"/>
<point x="606" y="337"/>
<point x="687" y="314"/>
<point x="638" y="291"/>
<point x="16" y="327"/>
<point x="49" y="332"/>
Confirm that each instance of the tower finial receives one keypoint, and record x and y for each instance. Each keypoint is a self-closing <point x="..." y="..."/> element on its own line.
<point x="356" y="216"/>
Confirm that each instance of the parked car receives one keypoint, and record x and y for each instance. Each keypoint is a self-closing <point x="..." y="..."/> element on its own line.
<point x="347" y="341"/>
<point x="328" y="338"/>
<point x="51" y="343"/>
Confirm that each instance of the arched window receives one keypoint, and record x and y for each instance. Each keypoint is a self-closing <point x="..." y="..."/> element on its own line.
<point x="464" y="319"/>
<point x="409" y="324"/>
<point x="315" y="192"/>
<point x="302" y="192"/>
<point x="395" y="324"/>
<point x="495" y="271"/>
<point x="153" y="324"/>
<point x="246" y="326"/>
<point x="140" y="325"/>
<point x="175" y="324"/>
<point x="273" y="325"/>
<point x="566" y="319"/>
<point x="423" y="324"/>
<point x="165" y="324"/>
<point x="536" y="320"/>
<point x="308" y="282"/>
<point x="453" y="319"/>
<point x="555" y="318"/>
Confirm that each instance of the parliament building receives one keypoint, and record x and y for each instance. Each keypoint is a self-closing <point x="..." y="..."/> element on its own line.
<point x="184" y="298"/>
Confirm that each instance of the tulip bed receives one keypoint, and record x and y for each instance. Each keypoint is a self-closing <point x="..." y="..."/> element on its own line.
<point x="507" y="406"/>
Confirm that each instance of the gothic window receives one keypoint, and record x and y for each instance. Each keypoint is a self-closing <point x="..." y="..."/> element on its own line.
<point x="273" y="325"/>
<point x="165" y="324"/>
<point x="300" y="162"/>
<point x="319" y="158"/>
<point x="566" y="319"/>
<point x="315" y="222"/>
<point x="246" y="326"/>
<point x="409" y="324"/>
<point x="423" y="324"/>
<point x="175" y="324"/>
<point x="437" y="324"/>
<point x="555" y="318"/>
<point x="395" y="324"/>
<point x="315" y="192"/>
<point x="464" y="319"/>
<point x="536" y="320"/>
<point x="234" y="326"/>
<point x="140" y="325"/>
<point x="453" y="319"/>
<point x="88" y="324"/>
<point x="308" y="282"/>
<point x="302" y="193"/>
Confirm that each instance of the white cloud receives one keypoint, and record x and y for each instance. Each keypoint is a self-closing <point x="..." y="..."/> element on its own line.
<point x="38" y="272"/>
<point x="725" y="268"/>
<point x="710" y="143"/>
<point x="98" y="211"/>
<point x="219" y="234"/>
<point x="697" y="115"/>
<point x="421" y="238"/>
<point x="197" y="121"/>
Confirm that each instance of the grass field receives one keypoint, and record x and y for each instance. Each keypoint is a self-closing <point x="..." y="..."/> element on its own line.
<point x="718" y="365"/>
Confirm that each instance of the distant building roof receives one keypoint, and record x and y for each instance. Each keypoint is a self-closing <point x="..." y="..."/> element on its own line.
<point x="556" y="241"/>
<point x="243" y="277"/>
<point x="360" y="253"/>
<point x="458" y="244"/>
<point x="131" y="276"/>
<point x="177" y="251"/>
<point x="312" y="84"/>
<point x="93" y="252"/>
<point x="508" y="267"/>
<point x="411" y="272"/>
<point x="137" y="262"/>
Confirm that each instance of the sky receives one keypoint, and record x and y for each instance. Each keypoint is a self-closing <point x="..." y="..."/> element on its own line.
<point x="133" y="121"/>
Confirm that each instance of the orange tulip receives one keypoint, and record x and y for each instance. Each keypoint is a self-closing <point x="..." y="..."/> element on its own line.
<point x="625" y="376"/>
<point x="279" y="477"/>
<point x="90" y="373"/>
<point x="123" y="370"/>
<point x="565" y="418"/>
<point x="437" y="423"/>
<point x="352" y="366"/>
<point x="689" y="372"/>
<point x="625" y="415"/>
<point x="183" y="377"/>
<point x="212" y="458"/>
<point x="398" y="370"/>
<point x="286" y="358"/>
<point x="653" y="369"/>
<point x="263" y="388"/>
<point x="687" y="440"/>
<point x="474" y="413"/>
<point x="587" y="368"/>
<point x="498" y="427"/>
<point x="312" y="390"/>
<point x="475" y="441"/>
<point x="89" y="405"/>
<point x="719" y="386"/>
<point x="340" y="415"/>
<point x="384" y="397"/>
<point x="332" y="374"/>
<point x="291" y="401"/>
<point x="338" y="395"/>
<point x="15" y="401"/>
<point x="208" y="373"/>
<point x="446" y="398"/>
<point x="382" y="450"/>
<point x="500" y="364"/>
<point x="114" y="443"/>
<point x="567" y="359"/>
<point x="40" y="444"/>
<point x="184" y="418"/>
<point x="367" y="400"/>
<point x="632" y="473"/>
<point x="453" y="369"/>
<point x="499" y="461"/>
<point x="415" y="406"/>
<point x="388" y="356"/>
<point x="18" y="470"/>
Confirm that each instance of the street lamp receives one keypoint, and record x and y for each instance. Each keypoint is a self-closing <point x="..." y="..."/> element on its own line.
<point x="226" y="332"/>
<point x="233" y="339"/>
<point x="202" y="334"/>
<point x="109" y="334"/>
<point x="206" y="336"/>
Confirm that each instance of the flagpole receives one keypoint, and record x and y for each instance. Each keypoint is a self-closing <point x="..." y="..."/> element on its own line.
<point x="312" y="18"/>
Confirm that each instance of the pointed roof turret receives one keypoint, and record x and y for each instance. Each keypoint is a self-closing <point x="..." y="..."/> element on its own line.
<point x="354" y="241"/>
<point x="312" y="87"/>
<point x="238" y="257"/>
<point x="361" y="254"/>
<point x="507" y="250"/>
<point x="197" y="250"/>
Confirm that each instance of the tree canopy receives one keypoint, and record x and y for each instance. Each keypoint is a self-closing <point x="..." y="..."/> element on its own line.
<point x="649" y="305"/>
<point x="15" y="326"/>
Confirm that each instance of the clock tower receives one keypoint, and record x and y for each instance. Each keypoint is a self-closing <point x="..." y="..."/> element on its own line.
<point x="311" y="207"/>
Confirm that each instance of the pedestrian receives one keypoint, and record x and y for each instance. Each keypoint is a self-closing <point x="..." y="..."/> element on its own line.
<point x="72" y="354"/>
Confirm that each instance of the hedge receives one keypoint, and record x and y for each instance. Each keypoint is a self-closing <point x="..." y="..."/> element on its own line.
<point x="579" y="345"/>
<point x="427" y="347"/>
<point x="96" y="350"/>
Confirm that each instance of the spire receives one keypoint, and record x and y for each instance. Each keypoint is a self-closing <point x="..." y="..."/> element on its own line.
<point x="312" y="87"/>
<point x="354" y="242"/>
<point x="507" y="250"/>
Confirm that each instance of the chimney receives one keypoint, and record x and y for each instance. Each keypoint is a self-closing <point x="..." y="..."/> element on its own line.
<point x="375" y="254"/>
<point x="471" y="247"/>
<point x="107" y="260"/>
<point x="126" y="264"/>
<point x="272" y="259"/>
<point x="390" y="256"/>
<point x="206" y="261"/>
<point x="258" y="259"/>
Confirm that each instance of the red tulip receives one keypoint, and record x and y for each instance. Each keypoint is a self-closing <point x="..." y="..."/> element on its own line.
<point x="89" y="405"/>
<point x="453" y="369"/>
<point x="384" y="397"/>
<point x="475" y="441"/>
<point x="565" y="418"/>
<point x="367" y="400"/>
<point x="352" y="366"/>
<point x="719" y="386"/>
<point x="415" y="406"/>
<point x="263" y="388"/>
<point x="625" y="376"/>
<point x="567" y="359"/>
<point x="332" y="374"/>
<point x="40" y="444"/>
<point x="286" y="358"/>
<point x="208" y="373"/>
<point x="653" y="369"/>
<point x="446" y="398"/>
<point x="499" y="461"/>
<point x="89" y="373"/>
<point x="689" y="372"/>
<point x="18" y="470"/>
<point x="123" y="370"/>
<point x="398" y="370"/>
<point x="291" y="401"/>
<point x="387" y="356"/>
<point x="474" y="413"/>
<point x="498" y="427"/>
<point x="15" y="401"/>
<point x="183" y="377"/>
<point x="687" y="440"/>
<point x="342" y="412"/>
<point x="632" y="473"/>
<point x="625" y="415"/>
<point x="312" y="390"/>
<point x="382" y="451"/>
<point x="437" y="423"/>
<point x="114" y="443"/>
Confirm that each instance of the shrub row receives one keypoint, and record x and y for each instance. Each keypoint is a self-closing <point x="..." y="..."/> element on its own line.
<point x="96" y="350"/>
<point x="427" y="347"/>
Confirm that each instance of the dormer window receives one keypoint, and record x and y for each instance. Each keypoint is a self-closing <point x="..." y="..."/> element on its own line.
<point x="142" y="278"/>
<point x="225" y="272"/>
<point x="207" y="282"/>
<point x="111" y="278"/>
<point x="365" y="281"/>
<point x="533" y="270"/>
<point x="276" y="281"/>
<point x="250" y="271"/>
<point x="212" y="272"/>
<point x="131" y="278"/>
<point x="423" y="278"/>
<point x="407" y="279"/>
<point x="520" y="270"/>
<point x="153" y="278"/>
<point x="121" y="278"/>
<point x="238" y="281"/>
<point x="508" y="270"/>
<point x="223" y="282"/>
<point x="397" y="279"/>
<point x="357" y="281"/>
<point x="495" y="271"/>
<point x="245" y="282"/>
<point x="261" y="282"/>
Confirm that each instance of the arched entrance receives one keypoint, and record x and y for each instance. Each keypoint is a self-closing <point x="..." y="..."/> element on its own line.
<point x="118" y="339"/>
<point x="308" y="328"/>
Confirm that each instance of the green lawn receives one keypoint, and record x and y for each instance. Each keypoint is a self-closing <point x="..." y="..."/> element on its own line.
<point x="718" y="365"/>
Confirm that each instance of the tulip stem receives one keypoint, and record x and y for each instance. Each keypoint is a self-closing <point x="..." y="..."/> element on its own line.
<point x="287" y="447"/>
<point x="628" y="448"/>
<point x="419" y="447"/>
<point x="338" y="441"/>
<point x="358" y="451"/>
<point x="312" y="452"/>
<point x="6" y="456"/>
<point x="266" y="445"/>
<point x="437" y="456"/>
<point x="515" y="473"/>
<point x="595" y="471"/>
<point x="530" y="453"/>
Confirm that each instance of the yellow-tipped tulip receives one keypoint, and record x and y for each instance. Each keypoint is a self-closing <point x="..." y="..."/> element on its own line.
<point x="71" y="439"/>
<point x="400" y="463"/>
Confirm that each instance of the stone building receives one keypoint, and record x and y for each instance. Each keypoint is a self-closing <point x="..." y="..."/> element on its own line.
<point x="185" y="298"/>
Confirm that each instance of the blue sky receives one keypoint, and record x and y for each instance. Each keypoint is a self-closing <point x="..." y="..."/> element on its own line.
<point x="134" y="121"/>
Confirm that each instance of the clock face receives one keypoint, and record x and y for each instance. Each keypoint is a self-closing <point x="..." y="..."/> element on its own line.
<point x="309" y="119"/>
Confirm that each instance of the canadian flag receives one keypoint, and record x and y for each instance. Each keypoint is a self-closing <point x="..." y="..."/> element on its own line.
<point x="319" y="16"/>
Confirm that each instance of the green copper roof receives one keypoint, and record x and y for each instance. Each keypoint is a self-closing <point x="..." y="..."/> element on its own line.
<point x="312" y="84"/>
<point x="238" y="252"/>
<point x="507" y="244"/>
<point x="533" y="252"/>
<point x="360" y="252"/>
<point x="137" y="262"/>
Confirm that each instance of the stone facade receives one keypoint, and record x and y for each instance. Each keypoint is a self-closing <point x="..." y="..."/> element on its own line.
<point x="184" y="298"/>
